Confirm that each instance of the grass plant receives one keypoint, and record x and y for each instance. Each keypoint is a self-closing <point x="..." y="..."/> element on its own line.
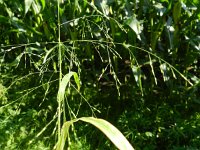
<point x="134" y="64"/>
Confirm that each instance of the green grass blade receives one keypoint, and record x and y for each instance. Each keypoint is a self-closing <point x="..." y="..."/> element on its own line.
<point x="110" y="131"/>
<point x="65" y="81"/>
<point x="152" y="69"/>
<point x="64" y="133"/>
<point x="47" y="54"/>
<point x="76" y="79"/>
<point x="107" y="128"/>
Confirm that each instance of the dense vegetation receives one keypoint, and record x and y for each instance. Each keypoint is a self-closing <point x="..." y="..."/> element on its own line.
<point x="137" y="64"/>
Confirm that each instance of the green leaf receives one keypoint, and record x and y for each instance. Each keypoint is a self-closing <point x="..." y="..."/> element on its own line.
<point x="76" y="78"/>
<point x="3" y="19"/>
<point x="148" y="134"/>
<point x="110" y="131"/>
<point x="137" y="75"/>
<point x="16" y="62"/>
<point x="47" y="54"/>
<point x="28" y="4"/>
<point x="134" y="24"/>
<point x="64" y="83"/>
<point x="36" y="7"/>
<point x="43" y="4"/>
<point x="177" y="12"/>
<point x="107" y="128"/>
<point x="65" y="131"/>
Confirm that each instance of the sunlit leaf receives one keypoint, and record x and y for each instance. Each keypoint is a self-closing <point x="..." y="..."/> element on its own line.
<point x="77" y="80"/>
<point x="164" y="69"/>
<point x="36" y="7"/>
<point x="43" y="2"/>
<point x="107" y="128"/>
<point x="135" y="25"/>
<point x="110" y="131"/>
<point x="28" y="4"/>
<point x="160" y="8"/>
<point x="64" y="82"/>
<point x="104" y="7"/>
<point x="65" y="131"/>
<point x="149" y="134"/>
<point x="47" y="54"/>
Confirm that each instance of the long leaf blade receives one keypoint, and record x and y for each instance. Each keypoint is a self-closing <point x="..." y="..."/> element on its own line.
<point x="107" y="128"/>
<point x="110" y="131"/>
<point x="65" y="131"/>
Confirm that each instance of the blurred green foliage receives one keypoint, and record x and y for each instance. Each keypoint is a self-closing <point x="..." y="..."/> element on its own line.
<point x="138" y="62"/>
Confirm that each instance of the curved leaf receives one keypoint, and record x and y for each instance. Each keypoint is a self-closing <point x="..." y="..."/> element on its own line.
<point x="107" y="128"/>
<point x="110" y="131"/>
<point x="64" y="83"/>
